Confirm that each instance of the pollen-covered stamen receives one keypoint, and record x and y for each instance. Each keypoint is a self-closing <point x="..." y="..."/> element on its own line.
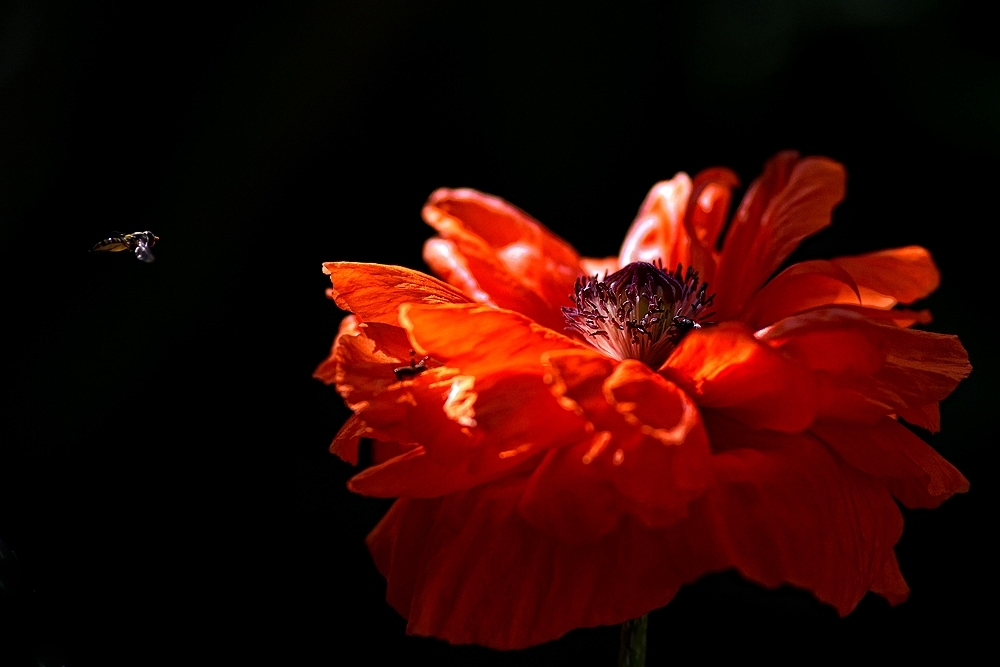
<point x="640" y="312"/>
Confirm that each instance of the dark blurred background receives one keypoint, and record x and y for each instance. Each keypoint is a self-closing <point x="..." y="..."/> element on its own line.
<point x="166" y="494"/>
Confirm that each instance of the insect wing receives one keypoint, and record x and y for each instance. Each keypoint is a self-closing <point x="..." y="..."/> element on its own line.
<point x="112" y="244"/>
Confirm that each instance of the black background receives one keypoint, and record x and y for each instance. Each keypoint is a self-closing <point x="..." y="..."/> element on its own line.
<point x="166" y="493"/>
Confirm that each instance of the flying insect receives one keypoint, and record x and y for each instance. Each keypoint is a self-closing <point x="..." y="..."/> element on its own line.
<point x="141" y="243"/>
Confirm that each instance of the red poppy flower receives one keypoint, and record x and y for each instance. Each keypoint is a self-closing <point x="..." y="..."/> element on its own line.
<point x="586" y="436"/>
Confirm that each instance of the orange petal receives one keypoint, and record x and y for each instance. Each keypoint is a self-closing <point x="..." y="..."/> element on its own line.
<point x="658" y="232"/>
<point x="647" y="457"/>
<point x="711" y="194"/>
<point x="914" y="473"/>
<point x="374" y="292"/>
<point x="361" y="366"/>
<point x="482" y="341"/>
<point x="708" y="207"/>
<point x="792" y="513"/>
<point x="869" y="368"/>
<point x="899" y="275"/>
<point x="513" y="258"/>
<point x="800" y="287"/>
<point x="345" y="444"/>
<point x="445" y="259"/>
<point x="510" y="421"/>
<point x="786" y="513"/>
<point x="481" y="414"/>
<point x="791" y="200"/>
<point x="327" y="371"/>
<point x="600" y="267"/>
<point x="726" y="368"/>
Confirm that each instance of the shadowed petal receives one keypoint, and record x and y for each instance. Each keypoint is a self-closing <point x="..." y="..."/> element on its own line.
<point x="789" y="512"/>
<point x="468" y="568"/>
<point x="914" y="473"/>
<point x="925" y="416"/>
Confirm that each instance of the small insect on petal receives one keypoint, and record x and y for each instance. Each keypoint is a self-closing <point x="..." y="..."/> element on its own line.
<point x="413" y="370"/>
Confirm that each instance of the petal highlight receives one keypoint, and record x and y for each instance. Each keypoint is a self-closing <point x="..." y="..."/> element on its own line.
<point x="374" y="292"/>
<point x="513" y="258"/>
<point x="658" y="232"/>
<point x="900" y="275"/>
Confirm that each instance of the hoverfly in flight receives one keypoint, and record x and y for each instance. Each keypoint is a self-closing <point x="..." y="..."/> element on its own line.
<point x="141" y="243"/>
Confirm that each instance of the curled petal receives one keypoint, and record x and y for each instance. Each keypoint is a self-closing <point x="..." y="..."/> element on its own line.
<point x="792" y="199"/>
<point x="513" y="420"/>
<point x="511" y="257"/>
<point x="374" y="292"/>
<point x="727" y="369"/>
<point x="647" y="457"/>
<point x="711" y="193"/>
<point x="445" y="259"/>
<point x="480" y="415"/>
<point x="327" y="370"/>
<point x="869" y="368"/>
<point x="800" y="287"/>
<point x="914" y="473"/>
<point x="364" y="360"/>
<point x="707" y="209"/>
<point x="658" y="232"/>
<point x="412" y="411"/>
<point x="898" y="275"/>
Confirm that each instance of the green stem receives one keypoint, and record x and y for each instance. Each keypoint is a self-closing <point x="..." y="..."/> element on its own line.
<point x="632" y="652"/>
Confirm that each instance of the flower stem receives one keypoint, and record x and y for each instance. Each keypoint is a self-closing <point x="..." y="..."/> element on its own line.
<point x="632" y="652"/>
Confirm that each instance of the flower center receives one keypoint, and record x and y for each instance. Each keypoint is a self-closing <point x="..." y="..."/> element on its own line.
<point x="640" y="312"/>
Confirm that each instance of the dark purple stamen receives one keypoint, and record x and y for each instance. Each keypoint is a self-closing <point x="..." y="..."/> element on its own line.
<point x="640" y="312"/>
